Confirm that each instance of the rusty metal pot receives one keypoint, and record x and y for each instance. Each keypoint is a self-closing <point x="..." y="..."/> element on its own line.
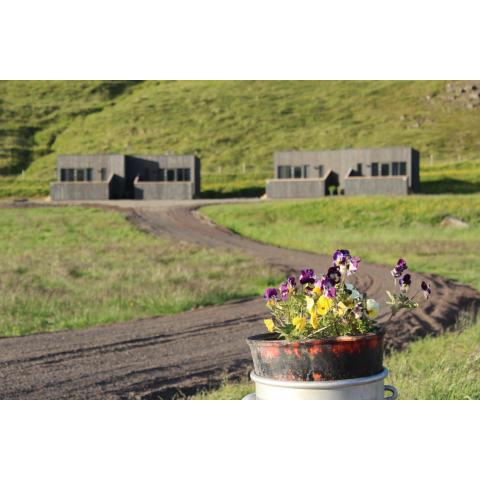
<point x="326" y="359"/>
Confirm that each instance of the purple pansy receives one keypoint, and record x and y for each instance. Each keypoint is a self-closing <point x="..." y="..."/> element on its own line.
<point x="270" y="293"/>
<point x="284" y="289"/>
<point x="405" y="282"/>
<point x="353" y="265"/>
<point x="427" y="290"/>
<point x="291" y="281"/>
<point x="340" y="257"/>
<point x="399" y="268"/>
<point x="358" y="311"/>
<point x="334" y="275"/>
<point x="327" y="286"/>
<point x="323" y="283"/>
<point x="331" y="292"/>
<point x="307" y="276"/>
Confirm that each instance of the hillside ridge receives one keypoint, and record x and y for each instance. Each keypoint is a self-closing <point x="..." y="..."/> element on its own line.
<point x="235" y="127"/>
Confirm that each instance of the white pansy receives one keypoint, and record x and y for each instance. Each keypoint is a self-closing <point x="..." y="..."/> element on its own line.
<point x="355" y="295"/>
<point x="373" y="308"/>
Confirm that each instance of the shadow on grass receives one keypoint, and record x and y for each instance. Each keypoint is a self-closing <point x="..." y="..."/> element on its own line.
<point x="21" y="152"/>
<point x="234" y="193"/>
<point x="449" y="185"/>
<point x="114" y="88"/>
<point x="446" y="185"/>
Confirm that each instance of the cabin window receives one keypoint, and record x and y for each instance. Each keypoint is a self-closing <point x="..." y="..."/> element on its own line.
<point x="374" y="169"/>
<point x="77" y="174"/>
<point x="320" y="170"/>
<point x="359" y="169"/>
<point x="183" y="174"/>
<point x="161" y="175"/>
<point x="302" y="171"/>
<point x="170" y="175"/>
<point x="284" y="171"/>
<point x="103" y="174"/>
<point x="399" y="168"/>
<point x="385" y="169"/>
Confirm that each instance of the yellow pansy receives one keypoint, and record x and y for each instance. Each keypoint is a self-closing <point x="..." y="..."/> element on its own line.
<point x="317" y="290"/>
<point x="324" y="304"/>
<point x="341" y="309"/>
<point x="269" y="324"/>
<point x="310" y="304"/>
<point x="300" y="323"/>
<point x="314" y="320"/>
<point x="349" y="302"/>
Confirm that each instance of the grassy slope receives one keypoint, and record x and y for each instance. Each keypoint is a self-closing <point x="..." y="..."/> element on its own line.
<point x="440" y="368"/>
<point x="234" y="123"/>
<point x="75" y="267"/>
<point x="379" y="229"/>
<point x="33" y="115"/>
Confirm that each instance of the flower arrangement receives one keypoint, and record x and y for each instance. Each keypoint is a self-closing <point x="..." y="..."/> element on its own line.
<point x="329" y="305"/>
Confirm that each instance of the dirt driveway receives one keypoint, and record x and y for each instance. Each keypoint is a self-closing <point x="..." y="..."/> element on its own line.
<point x="161" y="357"/>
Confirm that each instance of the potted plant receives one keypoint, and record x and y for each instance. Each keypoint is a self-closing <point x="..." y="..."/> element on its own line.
<point x="323" y="330"/>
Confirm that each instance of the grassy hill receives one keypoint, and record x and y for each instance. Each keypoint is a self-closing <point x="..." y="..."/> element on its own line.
<point x="236" y="126"/>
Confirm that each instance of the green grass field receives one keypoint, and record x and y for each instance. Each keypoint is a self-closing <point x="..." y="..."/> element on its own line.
<point x="235" y="127"/>
<point x="434" y="368"/>
<point x="75" y="267"/>
<point x="378" y="229"/>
